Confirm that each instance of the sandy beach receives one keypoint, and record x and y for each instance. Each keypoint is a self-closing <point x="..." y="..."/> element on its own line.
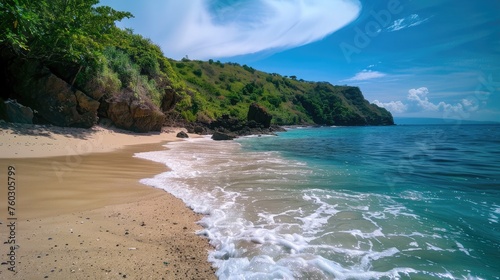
<point x="81" y="213"/>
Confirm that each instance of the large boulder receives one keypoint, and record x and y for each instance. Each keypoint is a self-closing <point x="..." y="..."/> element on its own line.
<point x="85" y="103"/>
<point x="220" y="136"/>
<point x="182" y="134"/>
<point x="129" y="113"/>
<point x="259" y="115"/>
<point x="17" y="113"/>
<point x="53" y="99"/>
<point x="227" y="122"/>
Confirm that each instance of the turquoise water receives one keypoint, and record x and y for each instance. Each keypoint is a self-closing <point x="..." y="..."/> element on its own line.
<point x="399" y="202"/>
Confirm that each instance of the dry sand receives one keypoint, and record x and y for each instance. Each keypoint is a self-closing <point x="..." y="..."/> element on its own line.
<point x="35" y="141"/>
<point x="84" y="215"/>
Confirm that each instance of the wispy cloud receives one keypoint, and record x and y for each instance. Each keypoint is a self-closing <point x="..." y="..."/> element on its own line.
<point x="365" y="75"/>
<point x="417" y="101"/>
<point x="193" y="28"/>
<point x="409" y="21"/>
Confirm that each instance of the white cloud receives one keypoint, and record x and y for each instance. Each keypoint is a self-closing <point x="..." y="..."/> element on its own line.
<point x="410" y="21"/>
<point x="365" y="75"/>
<point x="419" y="98"/>
<point x="393" y="106"/>
<point x="193" y="28"/>
<point x="417" y="101"/>
<point x="470" y="105"/>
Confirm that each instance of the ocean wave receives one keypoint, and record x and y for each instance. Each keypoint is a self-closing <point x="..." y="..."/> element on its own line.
<point x="270" y="217"/>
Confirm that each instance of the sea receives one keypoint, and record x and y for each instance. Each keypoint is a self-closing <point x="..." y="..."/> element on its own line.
<point x="392" y="202"/>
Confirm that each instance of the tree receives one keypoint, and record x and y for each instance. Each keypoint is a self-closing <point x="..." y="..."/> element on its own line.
<point x="58" y="31"/>
<point x="18" y="23"/>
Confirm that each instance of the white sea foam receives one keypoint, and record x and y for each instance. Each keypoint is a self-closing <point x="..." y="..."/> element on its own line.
<point x="494" y="214"/>
<point x="462" y="248"/>
<point x="433" y="248"/>
<point x="266" y="220"/>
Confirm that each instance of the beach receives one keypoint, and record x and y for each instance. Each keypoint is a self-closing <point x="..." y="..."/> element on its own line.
<point x="80" y="212"/>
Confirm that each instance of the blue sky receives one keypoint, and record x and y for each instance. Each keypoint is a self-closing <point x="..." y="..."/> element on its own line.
<point x="420" y="58"/>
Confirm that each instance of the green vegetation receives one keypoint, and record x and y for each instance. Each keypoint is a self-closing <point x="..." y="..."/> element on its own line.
<point x="79" y="42"/>
<point x="62" y="31"/>
<point x="230" y="88"/>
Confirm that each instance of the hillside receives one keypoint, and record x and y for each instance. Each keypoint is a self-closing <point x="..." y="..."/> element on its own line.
<point x="229" y="88"/>
<point x="68" y="64"/>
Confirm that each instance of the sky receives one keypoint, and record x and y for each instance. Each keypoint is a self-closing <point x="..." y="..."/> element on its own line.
<point x="416" y="58"/>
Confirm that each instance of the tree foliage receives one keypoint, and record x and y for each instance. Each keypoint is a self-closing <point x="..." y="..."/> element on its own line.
<point x="61" y="31"/>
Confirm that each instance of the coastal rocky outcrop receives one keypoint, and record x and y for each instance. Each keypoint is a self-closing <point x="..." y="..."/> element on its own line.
<point x="258" y="123"/>
<point x="50" y="99"/>
<point x="16" y="113"/>
<point x="259" y="114"/>
<point x="182" y="134"/>
<point x="218" y="136"/>
<point x="53" y="99"/>
<point x="129" y="113"/>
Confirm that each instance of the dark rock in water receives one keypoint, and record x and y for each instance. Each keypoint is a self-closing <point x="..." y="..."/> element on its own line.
<point x="182" y="134"/>
<point x="227" y="127"/>
<point x="235" y="127"/>
<point x="222" y="136"/>
<point x="129" y="113"/>
<point x="199" y="130"/>
<point x="227" y="123"/>
<point x="17" y="113"/>
<point x="259" y="114"/>
<point x="277" y="128"/>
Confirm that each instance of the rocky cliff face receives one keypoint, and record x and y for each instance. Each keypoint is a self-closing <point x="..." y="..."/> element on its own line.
<point x="130" y="113"/>
<point x="15" y="112"/>
<point x="260" y="115"/>
<point x="53" y="100"/>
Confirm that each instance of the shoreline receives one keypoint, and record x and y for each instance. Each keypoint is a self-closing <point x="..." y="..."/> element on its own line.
<point x="39" y="141"/>
<point x="86" y="214"/>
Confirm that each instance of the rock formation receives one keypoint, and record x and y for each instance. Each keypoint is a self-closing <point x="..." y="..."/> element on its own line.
<point x="129" y="113"/>
<point x="182" y="134"/>
<point x="17" y="113"/>
<point x="54" y="100"/>
<point x="259" y="122"/>
<point x="218" y="136"/>
<point x="259" y="114"/>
